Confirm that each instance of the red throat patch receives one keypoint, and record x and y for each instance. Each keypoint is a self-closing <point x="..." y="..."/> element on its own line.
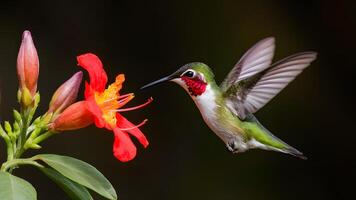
<point x="196" y="86"/>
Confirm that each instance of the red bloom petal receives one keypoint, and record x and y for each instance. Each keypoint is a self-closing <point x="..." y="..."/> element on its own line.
<point x="123" y="148"/>
<point x="122" y="122"/>
<point x="96" y="111"/>
<point x="93" y="65"/>
<point x="88" y="92"/>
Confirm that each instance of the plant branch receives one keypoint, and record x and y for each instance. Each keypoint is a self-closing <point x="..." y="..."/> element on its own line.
<point x="19" y="161"/>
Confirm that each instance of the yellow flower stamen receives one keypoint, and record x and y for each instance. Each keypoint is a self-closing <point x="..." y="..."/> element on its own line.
<point x="110" y="100"/>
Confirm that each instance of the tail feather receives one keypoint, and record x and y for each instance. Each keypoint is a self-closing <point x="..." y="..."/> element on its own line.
<point x="270" y="141"/>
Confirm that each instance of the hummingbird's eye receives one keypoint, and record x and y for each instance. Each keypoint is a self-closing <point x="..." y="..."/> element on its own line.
<point x="189" y="74"/>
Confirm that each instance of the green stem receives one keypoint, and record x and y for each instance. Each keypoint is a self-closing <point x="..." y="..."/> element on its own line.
<point x="22" y="137"/>
<point x="20" y="161"/>
<point x="10" y="152"/>
<point x="24" y="128"/>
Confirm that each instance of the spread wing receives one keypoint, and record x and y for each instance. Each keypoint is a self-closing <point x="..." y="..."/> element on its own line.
<point x="256" y="59"/>
<point x="249" y="95"/>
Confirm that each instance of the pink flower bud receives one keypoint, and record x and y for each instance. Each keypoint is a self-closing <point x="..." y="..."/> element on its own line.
<point x="76" y="116"/>
<point x="28" y="64"/>
<point x="66" y="94"/>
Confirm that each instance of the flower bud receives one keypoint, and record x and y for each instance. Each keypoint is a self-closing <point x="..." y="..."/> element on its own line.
<point x="17" y="116"/>
<point x="28" y="64"/>
<point x="66" y="94"/>
<point x="76" y="116"/>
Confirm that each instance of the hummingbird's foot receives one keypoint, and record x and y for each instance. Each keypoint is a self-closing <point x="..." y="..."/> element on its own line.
<point x="232" y="147"/>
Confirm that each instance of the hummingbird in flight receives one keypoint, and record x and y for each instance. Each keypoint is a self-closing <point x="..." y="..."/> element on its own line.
<point x="228" y="108"/>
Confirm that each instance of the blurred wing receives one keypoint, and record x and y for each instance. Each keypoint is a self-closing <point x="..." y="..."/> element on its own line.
<point x="256" y="91"/>
<point x="256" y="59"/>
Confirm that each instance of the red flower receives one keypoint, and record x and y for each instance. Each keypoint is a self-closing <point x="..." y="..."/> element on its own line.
<point x="105" y="104"/>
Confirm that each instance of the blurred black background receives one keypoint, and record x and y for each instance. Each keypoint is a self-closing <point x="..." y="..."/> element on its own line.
<point x="185" y="160"/>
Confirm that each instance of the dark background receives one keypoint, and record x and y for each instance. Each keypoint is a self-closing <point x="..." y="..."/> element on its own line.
<point x="185" y="160"/>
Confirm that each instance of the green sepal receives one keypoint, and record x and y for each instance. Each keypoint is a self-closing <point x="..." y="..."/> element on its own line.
<point x="37" y="98"/>
<point x="36" y="101"/>
<point x="26" y="98"/>
<point x="35" y="133"/>
<point x="37" y="120"/>
<point x="47" y="118"/>
<point x="74" y="190"/>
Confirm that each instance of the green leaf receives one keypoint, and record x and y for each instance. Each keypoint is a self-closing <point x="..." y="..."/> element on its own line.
<point x="80" y="172"/>
<point x="74" y="190"/>
<point x="15" y="188"/>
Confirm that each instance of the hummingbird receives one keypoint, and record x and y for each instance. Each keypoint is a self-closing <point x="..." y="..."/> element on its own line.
<point x="228" y="109"/>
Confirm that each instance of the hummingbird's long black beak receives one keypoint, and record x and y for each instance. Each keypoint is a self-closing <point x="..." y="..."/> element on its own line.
<point x="167" y="78"/>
